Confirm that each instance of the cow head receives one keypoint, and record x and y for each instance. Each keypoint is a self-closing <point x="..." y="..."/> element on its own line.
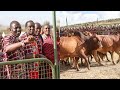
<point x="95" y="42"/>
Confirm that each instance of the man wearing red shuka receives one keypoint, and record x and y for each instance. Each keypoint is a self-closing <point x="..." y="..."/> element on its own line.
<point x="13" y="48"/>
<point x="36" y="47"/>
<point x="48" y="48"/>
<point x="39" y="40"/>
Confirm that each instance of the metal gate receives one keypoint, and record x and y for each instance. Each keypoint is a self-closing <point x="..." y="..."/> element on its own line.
<point x="35" y="68"/>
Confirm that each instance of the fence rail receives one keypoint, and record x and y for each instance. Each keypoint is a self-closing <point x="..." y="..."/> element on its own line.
<point x="36" y="68"/>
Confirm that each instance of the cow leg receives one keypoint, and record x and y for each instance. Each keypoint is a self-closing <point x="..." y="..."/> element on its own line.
<point x="70" y="60"/>
<point x="96" y="58"/>
<point x="73" y="63"/>
<point x="119" y="56"/>
<point x="76" y="63"/>
<point x="112" y="58"/>
<point x="107" y="57"/>
<point x="62" y="62"/>
<point x="82" y="64"/>
<point x="89" y="59"/>
<point x="99" y="57"/>
<point x="67" y="61"/>
<point x="86" y="60"/>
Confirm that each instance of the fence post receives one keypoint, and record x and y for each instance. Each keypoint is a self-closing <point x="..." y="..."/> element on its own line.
<point x="57" y="71"/>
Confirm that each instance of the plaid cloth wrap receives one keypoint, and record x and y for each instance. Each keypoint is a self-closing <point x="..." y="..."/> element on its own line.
<point x="48" y="48"/>
<point x="18" y="54"/>
<point x="30" y="49"/>
<point x="15" y="55"/>
<point x="39" y="43"/>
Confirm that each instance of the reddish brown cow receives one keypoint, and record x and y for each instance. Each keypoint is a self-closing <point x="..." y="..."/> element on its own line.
<point x="100" y="55"/>
<point x="74" y="46"/>
<point x="110" y="43"/>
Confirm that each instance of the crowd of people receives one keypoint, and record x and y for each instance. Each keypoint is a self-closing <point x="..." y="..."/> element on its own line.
<point x="100" y="29"/>
<point x="36" y="42"/>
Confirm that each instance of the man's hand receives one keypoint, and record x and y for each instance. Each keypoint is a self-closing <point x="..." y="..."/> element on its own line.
<point x="29" y="39"/>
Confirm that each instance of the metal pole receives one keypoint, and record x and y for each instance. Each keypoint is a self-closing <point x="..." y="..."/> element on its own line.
<point x="58" y="25"/>
<point x="57" y="71"/>
<point x="66" y="22"/>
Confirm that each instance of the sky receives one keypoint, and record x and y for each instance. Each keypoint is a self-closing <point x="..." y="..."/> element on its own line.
<point x="73" y="17"/>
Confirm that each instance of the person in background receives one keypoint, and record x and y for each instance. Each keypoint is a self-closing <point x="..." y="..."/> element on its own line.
<point x="48" y="48"/>
<point x="33" y="48"/>
<point x="38" y="36"/>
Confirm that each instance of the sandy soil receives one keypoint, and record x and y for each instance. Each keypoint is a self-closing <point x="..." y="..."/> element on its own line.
<point x="108" y="71"/>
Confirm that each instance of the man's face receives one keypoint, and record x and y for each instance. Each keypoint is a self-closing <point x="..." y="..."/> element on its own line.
<point x="46" y="30"/>
<point x="16" y="29"/>
<point x="37" y="29"/>
<point x="30" y="28"/>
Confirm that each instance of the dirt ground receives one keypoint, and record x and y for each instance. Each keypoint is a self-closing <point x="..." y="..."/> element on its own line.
<point x="108" y="71"/>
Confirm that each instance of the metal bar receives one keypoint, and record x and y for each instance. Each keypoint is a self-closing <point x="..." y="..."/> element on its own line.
<point x="31" y="60"/>
<point x="55" y="46"/>
<point x="66" y="22"/>
<point x="26" y="61"/>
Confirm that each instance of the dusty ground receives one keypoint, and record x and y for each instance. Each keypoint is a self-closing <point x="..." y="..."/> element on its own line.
<point x="108" y="71"/>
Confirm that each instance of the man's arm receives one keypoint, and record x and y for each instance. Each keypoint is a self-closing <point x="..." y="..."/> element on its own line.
<point x="13" y="47"/>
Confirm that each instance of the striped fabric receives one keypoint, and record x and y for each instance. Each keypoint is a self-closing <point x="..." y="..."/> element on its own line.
<point x="28" y="47"/>
<point x="48" y="48"/>
<point x="15" y="55"/>
<point x="39" y="43"/>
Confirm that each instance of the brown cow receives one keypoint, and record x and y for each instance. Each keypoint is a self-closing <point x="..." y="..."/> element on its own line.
<point x="86" y="36"/>
<point x="74" y="46"/>
<point x="100" y="55"/>
<point x="110" y="43"/>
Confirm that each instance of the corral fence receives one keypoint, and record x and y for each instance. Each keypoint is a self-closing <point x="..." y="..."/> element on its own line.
<point x="36" y="68"/>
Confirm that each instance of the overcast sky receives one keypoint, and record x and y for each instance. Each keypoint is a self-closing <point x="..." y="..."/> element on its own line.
<point x="73" y="17"/>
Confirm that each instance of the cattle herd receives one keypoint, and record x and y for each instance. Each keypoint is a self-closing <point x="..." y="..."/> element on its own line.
<point x="89" y="41"/>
